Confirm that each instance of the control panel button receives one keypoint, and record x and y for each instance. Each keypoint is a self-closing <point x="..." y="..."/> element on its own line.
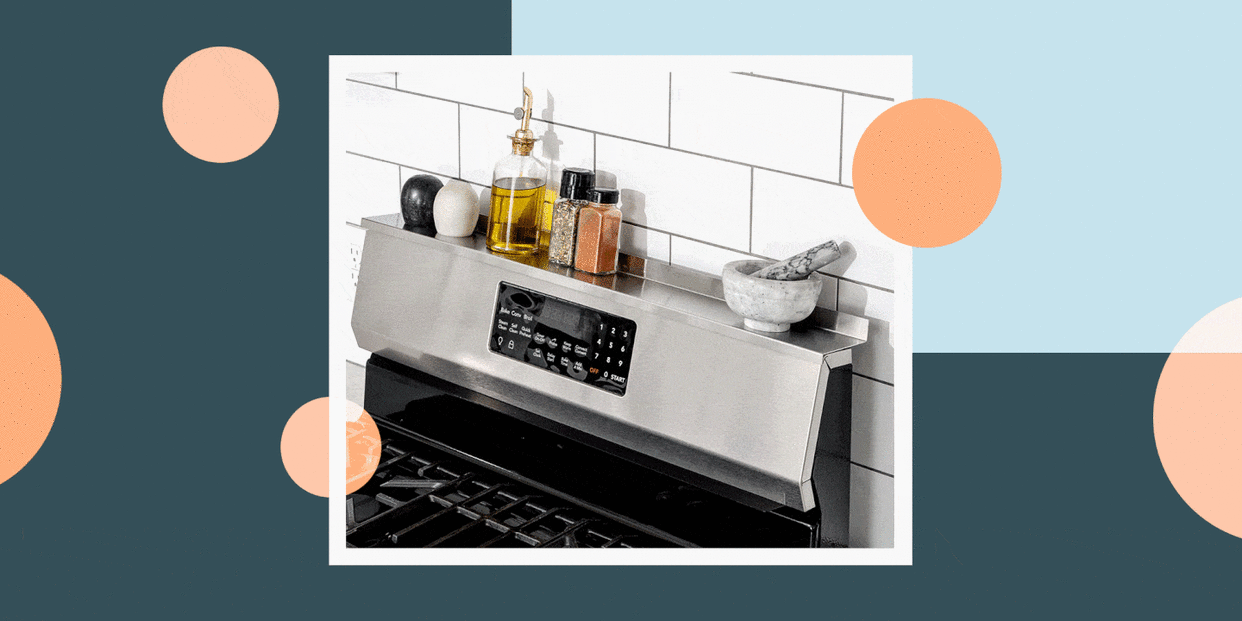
<point x="540" y="338"/>
<point x="580" y="351"/>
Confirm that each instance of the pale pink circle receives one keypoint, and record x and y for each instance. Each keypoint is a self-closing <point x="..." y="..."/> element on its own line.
<point x="1198" y="418"/>
<point x="220" y="104"/>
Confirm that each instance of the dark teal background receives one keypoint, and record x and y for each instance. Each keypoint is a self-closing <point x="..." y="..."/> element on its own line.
<point x="189" y="302"/>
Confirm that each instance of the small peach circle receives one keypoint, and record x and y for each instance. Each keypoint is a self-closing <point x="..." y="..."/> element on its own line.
<point x="926" y="172"/>
<point x="220" y="104"/>
<point x="1197" y="417"/>
<point x="304" y="447"/>
<point x="29" y="379"/>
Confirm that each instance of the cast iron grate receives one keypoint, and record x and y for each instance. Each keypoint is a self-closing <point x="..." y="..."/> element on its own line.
<point x="421" y="497"/>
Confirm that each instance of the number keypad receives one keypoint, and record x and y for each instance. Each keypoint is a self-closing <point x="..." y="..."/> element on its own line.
<point x="574" y="341"/>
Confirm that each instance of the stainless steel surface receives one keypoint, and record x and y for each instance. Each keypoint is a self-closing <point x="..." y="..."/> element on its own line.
<point x="704" y="393"/>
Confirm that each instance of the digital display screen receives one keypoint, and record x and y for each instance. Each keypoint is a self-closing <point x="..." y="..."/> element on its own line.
<point x="569" y="339"/>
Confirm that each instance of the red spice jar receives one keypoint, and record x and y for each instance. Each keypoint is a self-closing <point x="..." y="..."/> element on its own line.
<point x="599" y="233"/>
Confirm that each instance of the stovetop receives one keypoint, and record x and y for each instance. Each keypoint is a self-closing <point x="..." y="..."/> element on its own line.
<point x="458" y="472"/>
<point x="422" y="497"/>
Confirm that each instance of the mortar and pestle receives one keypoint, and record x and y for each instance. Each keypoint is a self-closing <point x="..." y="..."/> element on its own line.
<point x="771" y="295"/>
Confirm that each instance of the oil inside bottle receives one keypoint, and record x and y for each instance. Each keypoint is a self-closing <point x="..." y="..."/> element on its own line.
<point x="516" y="215"/>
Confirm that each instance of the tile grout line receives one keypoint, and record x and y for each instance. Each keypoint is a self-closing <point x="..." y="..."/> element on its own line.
<point x="670" y="109"/>
<point x="830" y="88"/>
<point x="874" y="379"/>
<point x="750" y="240"/>
<point x="875" y="470"/>
<point x="422" y="170"/>
<point x="634" y="140"/>
<point x="841" y="147"/>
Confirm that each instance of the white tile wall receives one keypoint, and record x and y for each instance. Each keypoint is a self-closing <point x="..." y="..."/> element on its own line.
<point x="705" y="211"/>
<point x="793" y="214"/>
<point x="760" y="122"/>
<point x="871" y="509"/>
<point x="402" y="128"/>
<point x="383" y="79"/>
<point x="859" y="113"/>
<point x="371" y="188"/>
<point x="874" y="358"/>
<point x="642" y="242"/>
<point x="687" y="195"/>
<point x="617" y="101"/>
<point x="871" y="442"/>
<point x="702" y="257"/>
<point x="481" y="83"/>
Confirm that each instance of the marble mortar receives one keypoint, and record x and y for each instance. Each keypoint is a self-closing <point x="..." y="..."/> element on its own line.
<point x="768" y="305"/>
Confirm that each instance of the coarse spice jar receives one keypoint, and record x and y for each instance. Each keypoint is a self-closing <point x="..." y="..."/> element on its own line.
<point x="575" y="194"/>
<point x="599" y="233"/>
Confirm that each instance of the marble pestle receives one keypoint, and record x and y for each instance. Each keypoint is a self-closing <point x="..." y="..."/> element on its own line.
<point x="802" y="264"/>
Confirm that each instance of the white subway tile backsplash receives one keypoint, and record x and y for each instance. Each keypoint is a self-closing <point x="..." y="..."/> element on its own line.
<point x="402" y="128"/>
<point x="766" y="123"/>
<point x="871" y="442"/>
<point x="371" y="188"/>
<point x="623" y="102"/>
<point x="859" y="112"/>
<point x="484" y="140"/>
<point x="702" y="257"/>
<point x="875" y="357"/>
<point x="473" y="82"/>
<point x="793" y="214"/>
<point x="683" y="194"/>
<point x="388" y="79"/>
<point x="640" y="242"/>
<point x="871" y="509"/>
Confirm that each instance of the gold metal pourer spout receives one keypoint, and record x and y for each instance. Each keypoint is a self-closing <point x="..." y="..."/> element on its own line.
<point x="524" y="139"/>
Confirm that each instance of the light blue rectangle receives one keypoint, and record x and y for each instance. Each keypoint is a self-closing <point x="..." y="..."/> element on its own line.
<point x="1118" y="219"/>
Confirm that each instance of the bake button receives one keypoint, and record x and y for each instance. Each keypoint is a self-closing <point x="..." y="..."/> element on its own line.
<point x="580" y="350"/>
<point x="540" y="338"/>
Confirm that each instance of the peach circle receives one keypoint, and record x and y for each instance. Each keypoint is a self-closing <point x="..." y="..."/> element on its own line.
<point x="304" y="447"/>
<point x="363" y="447"/>
<point x="29" y="379"/>
<point x="1198" y="418"/>
<point x="220" y="104"/>
<point x="926" y="172"/>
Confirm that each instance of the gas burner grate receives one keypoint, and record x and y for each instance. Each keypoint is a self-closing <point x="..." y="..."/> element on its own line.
<point x="421" y="497"/>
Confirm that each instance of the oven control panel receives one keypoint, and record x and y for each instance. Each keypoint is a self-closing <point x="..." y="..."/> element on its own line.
<point x="572" y="340"/>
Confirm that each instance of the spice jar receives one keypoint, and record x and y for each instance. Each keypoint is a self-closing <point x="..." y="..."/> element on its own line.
<point x="599" y="233"/>
<point x="575" y="194"/>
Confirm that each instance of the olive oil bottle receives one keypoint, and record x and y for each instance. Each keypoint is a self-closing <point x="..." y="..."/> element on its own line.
<point x="517" y="210"/>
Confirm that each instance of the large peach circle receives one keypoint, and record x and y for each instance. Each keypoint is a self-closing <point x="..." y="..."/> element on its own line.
<point x="1198" y="418"/>
<point x="220" y="104"/>
<point x="29" y="379"/>
<point x="926" y="172"/>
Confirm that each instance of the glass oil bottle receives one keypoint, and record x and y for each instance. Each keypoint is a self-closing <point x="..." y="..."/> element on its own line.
<point x="518" y="184"/>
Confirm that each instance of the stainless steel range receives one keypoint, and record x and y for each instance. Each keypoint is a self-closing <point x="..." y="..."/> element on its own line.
<point x="529" y="405"/>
